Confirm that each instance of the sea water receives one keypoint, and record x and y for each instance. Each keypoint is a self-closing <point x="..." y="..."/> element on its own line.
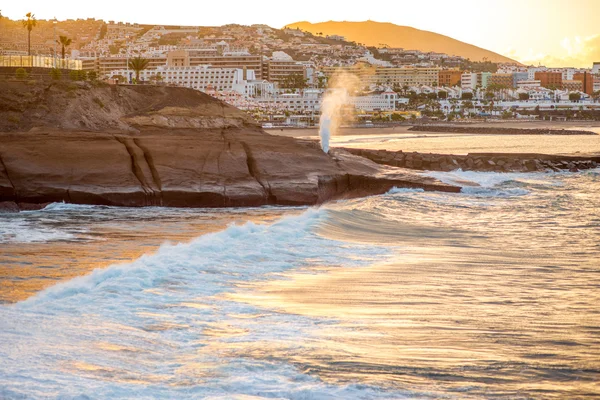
<point x="489" y="293"/>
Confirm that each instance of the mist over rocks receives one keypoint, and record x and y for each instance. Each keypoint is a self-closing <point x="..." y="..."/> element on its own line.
<point x="165" y="146"/>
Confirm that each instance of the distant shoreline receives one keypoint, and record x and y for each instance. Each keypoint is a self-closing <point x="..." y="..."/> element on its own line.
<point x="593" y="126"/>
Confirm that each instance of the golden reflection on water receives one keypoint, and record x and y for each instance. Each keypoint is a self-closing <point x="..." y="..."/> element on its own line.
<point x="468" y="315"/>
<point x="27" y="268"/>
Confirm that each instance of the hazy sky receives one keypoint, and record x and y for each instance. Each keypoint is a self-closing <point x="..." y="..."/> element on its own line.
<point x="555" y="32"/>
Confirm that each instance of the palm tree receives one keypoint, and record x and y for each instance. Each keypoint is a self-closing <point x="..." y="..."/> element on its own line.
<point x="138" y="64"/>
<point x="29" y="23"/>
<point x="64" y="42"/>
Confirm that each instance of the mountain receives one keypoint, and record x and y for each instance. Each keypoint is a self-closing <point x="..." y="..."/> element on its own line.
<point x="373" y="33"/>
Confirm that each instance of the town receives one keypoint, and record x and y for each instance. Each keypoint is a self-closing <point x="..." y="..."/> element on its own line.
<point x="280" y="76"/>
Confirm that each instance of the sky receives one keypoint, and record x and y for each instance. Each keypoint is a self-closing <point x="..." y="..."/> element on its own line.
<point x="551" y="32"/>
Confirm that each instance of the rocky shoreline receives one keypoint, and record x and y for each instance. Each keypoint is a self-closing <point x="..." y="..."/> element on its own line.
<point x="137" y="146"/>
<point x="496" y="130"/>
<point x="497" y="162"/>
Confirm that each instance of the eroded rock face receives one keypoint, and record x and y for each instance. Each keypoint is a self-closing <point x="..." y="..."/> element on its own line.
<point x="217" y="168"/>
<point x="164" y="146"/>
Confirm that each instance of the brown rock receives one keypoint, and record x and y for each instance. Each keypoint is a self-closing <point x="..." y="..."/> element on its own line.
<point x="8" y="207"/>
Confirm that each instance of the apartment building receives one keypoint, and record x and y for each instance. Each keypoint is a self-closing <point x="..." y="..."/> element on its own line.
<point x="468" y="80"/>
<point x="549" y="79"/>
<point x="105" y="65"/>
<point x="389" y="76"/>
<point x="306" y="101"/>
<point x="449" y="77"/>
<point x="280" y="67"/>
<point x="483" y="79"/>
<point x="572" y="85"/>
<point x="505" y="80"/>
<point x="519" y="77"/>
<point x="203" y="78"/>
<point x="587" y="82"/>
<point x="235" y="59"/>
<point x="382" y="101"/>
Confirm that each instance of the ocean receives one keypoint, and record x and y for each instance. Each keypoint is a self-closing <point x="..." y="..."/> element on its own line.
<point x="489" y="293"/>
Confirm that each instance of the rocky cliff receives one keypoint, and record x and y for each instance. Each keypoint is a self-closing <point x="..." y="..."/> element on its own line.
<point x="164" y="146"/>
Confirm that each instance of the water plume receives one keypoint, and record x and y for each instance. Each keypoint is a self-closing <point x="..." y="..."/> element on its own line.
<point x="332" y="107"/>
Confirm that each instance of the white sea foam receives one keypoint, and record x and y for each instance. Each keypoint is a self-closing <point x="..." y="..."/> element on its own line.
<point x="164" y="325"/>
<point x="23" y="231"/>
<point x="487" y="179"/>
<point x="62" y="206"/>
<point x="396" y="190"/>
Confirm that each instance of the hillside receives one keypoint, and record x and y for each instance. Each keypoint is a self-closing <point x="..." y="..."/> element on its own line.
<point x="373" y="33"/>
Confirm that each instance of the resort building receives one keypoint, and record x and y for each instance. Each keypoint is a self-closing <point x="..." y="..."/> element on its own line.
<point x="505" y="80"/>
<point x="449" y="77"/>
<point x="519" y="77"/>
<point x="203" y="78"/>
<point x="468" y="80"/>
<point x="281" y="67"/>
<point x="389" y="76"/>
<point x="572" y="85"/>
<point x="549" y="79"/>
<point x="382" y="101"/>
<point x="308" y="101"/>
<point x="587" y="82"/>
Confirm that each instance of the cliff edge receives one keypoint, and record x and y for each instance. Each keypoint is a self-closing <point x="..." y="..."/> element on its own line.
<point x="165" y="146"/>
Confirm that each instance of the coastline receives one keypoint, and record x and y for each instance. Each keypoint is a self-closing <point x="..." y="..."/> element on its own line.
<point x="405" y="128"/>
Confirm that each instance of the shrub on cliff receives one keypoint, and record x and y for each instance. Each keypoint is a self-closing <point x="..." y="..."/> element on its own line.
<point x="78" y="75"/>
<point x="20" y="73"/>
<point x="55" y="74"/>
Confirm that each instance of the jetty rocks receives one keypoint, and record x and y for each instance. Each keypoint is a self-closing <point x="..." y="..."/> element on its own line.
<point x="496" y="130"/>
<point x="498" y="162"/>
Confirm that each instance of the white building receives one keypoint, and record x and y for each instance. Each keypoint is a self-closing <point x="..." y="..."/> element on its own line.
<point x="254" y="88"/>
<point x="529" y="84"/>
<point x="596" y="68"/>
<point x="307" y="101"/>
<point x="468" y="80"/>
<point x="384" y="101"/>
<point x="531" y="72"/>
<point x="202" y="77"/>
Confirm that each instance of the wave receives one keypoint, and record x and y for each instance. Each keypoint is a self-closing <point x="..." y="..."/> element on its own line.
<point x="487" y="179"/>
<point x="243" y="251"/>
<point x="62" y="206"/>
<point x="396" y="190"/>
<point x="22" y="231"/>
<point x="175" y="312"/>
